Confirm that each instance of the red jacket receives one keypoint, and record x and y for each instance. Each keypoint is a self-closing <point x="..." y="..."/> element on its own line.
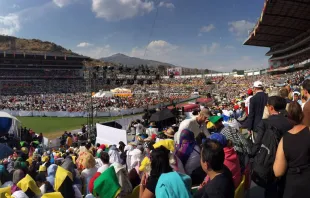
<point x="232" y="162"/>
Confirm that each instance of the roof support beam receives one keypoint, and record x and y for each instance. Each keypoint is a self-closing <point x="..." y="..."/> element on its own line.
<point x="275" y="42"/>
<point x="280" y="35"/>
<point x="285" y="16"/>
<point x="277" y="26"/>
<point x="297" y="2"/>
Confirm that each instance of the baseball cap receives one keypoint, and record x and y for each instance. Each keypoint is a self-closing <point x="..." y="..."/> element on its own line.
<point x="250" y="91"/>
<point x="214" y="119"/>
<point x="258" y="84"/>
<point x="220" y="138"/>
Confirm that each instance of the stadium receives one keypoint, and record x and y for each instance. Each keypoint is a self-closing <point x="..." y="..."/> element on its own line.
<point x="284" y="28"/>
<point x="75" y="126"/>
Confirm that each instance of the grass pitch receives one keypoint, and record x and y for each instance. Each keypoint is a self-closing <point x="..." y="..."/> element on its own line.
<point x="53" y="127"/>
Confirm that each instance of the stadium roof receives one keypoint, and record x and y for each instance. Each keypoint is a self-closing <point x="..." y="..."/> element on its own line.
<point x="280" y="21"/>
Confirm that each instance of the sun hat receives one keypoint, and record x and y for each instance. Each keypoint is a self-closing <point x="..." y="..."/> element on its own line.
<point x="215" y="119"/>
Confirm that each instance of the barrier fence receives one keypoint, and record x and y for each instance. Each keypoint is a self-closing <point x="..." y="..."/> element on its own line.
<point x="110" y="113"/>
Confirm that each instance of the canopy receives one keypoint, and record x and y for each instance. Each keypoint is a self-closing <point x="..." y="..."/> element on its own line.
<point x="161" y="115"/>
<point x="6" y="122"/>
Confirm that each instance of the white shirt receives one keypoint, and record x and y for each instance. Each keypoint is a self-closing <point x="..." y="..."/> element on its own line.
<point x="139" y="128"/>
<point x="192" y="125"/>
<point x="99" y="162"/>
<point x="151" y="131"/>
<point x="247" y="103"/>
<point x="103" y="168"/>
<point x="88" y="173"/>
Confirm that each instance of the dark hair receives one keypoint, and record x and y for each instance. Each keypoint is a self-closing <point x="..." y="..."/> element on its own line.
<point x="295" y="112"/>
<point x="105" y="158"/>
<point x="213" y="154"/>
<point x="242" y="104"/>
<point x="199" y="138"/>
<point x="296" y="94"/>
<point x="306" y="85"/>
<point x="160" y="162"/>
<point x="97" y="145"/>
<point x="40" y="177"/>
<point x="88" y="145"/>
<point x="284" y="93"/>
<point x="278" y="103"/>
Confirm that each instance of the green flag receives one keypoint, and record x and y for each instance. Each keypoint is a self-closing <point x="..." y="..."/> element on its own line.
<point x="106" y="185"/>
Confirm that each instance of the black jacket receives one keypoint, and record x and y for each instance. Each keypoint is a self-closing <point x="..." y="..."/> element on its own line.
<point x="282" y="123"/>
<point x="257" y="106"/>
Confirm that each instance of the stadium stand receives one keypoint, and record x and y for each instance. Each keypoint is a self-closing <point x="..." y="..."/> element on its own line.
<point x="284" y="28"/>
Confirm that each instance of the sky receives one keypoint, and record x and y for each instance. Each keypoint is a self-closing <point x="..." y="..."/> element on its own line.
<point x="203" y="34"/>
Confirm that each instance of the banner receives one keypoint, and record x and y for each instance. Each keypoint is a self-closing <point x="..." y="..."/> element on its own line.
<point x="110" y="135"/>
<point x="176" y="71"/>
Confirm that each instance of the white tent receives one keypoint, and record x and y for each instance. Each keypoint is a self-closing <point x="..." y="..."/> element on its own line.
<point x="15" y="123"/>
<point x="7" y="115"/>
<point x="102" y="94"/>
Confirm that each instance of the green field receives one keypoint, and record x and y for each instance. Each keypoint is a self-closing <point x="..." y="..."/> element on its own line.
<point x="53" y="126"/>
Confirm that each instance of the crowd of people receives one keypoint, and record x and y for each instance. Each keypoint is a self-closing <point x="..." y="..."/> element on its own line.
<point x="248" y="136"/>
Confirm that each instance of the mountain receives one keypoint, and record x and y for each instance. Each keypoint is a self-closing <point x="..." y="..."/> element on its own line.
<point x="133" y="61"/>
<point x="11" y="43"/>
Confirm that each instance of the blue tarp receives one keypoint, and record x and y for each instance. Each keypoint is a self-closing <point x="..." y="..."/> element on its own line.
<point x="5" y="125"/>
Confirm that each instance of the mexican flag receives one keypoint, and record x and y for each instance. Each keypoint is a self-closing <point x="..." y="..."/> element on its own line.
<point x="106" y="185"/>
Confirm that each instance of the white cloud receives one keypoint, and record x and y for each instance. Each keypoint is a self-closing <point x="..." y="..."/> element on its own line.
<point x="207" y="28"/>
<point x="62" y="3"/>
<point x="166" y="5"/>
<point x="9" y="24"/>
<point x="84" y="44"/>
<point x="114" y="10"/>
<point x="240" y="28"/>
<point x="158" y="50"/>
<point x="206" y="50"/>
<point x="97" y="51"/>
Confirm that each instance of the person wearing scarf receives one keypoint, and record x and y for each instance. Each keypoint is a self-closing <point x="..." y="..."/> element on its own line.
<point x="114" y="155"/>
<point x="188" y="151"/>
<point x="51" y="171"/>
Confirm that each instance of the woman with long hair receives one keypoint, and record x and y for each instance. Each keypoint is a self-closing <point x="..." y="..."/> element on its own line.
<point x="293" y="156"/>
<point x="159" y="165"/>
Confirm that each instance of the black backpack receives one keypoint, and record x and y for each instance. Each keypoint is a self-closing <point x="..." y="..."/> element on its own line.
<point x="262" y="165"/>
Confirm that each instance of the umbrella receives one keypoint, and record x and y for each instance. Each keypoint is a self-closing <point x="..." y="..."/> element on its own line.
<point x="161" y="115"/>
<point x="5" y="151"/>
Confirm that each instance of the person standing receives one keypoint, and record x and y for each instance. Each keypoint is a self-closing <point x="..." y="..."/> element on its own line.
<point x="294" y="161"/>
<point x="247" y="101"/>
<point x="139" y="127"/>
<point x="257" y="105"/>
<point x="196" y="125"/>
<point x="280" y="125"/>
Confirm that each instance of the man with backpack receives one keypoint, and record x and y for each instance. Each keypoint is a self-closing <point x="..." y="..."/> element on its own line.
<point x="269" y="133"/>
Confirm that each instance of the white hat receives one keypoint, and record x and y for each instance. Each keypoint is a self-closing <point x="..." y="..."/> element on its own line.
<point x="258" y="84"/>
